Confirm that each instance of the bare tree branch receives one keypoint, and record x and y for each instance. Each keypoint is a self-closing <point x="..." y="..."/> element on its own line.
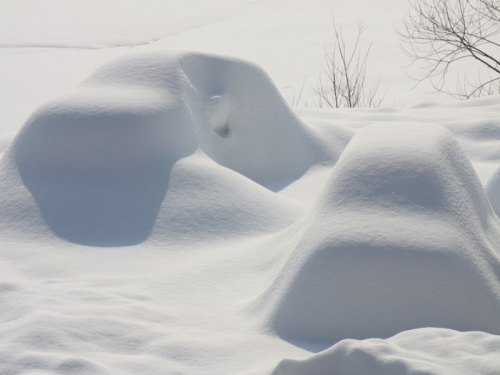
<point x="438" y="34"/>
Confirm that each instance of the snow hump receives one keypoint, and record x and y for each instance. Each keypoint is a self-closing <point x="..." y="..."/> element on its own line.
<point x="160" y="107"/>
<point x="98" y="160"/>
<point x="402" y="237"/>
<point x="425" y="351"/>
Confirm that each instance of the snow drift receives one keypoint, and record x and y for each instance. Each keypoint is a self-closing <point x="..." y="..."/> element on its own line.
<point x="423" y="351"/>
<point x="166" y="105"/>
<point x="402" y="237"/>
<point x="98" y="160"/>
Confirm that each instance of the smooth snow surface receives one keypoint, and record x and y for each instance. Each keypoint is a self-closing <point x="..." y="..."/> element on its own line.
<point x="173" y="215"/>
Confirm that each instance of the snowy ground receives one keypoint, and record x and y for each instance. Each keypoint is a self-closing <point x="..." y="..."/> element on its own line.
<point x="167" y="212"/>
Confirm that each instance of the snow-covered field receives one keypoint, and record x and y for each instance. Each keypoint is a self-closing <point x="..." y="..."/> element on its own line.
<point x="163" y="210"/>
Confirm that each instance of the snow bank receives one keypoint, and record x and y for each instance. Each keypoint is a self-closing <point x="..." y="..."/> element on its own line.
<point x="426" y="351"/>
<point x="98" y="160"/>
<point x="402" y="237"/>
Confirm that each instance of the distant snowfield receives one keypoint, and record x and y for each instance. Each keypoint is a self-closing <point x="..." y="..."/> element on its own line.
<point x="48" y="47"/>
<point x="167" y="212"/>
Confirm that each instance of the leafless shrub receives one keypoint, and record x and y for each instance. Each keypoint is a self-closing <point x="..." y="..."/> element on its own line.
<point x="342" y="82"/>
<point x="296" y="98"/>
<point x="345" y="72"/>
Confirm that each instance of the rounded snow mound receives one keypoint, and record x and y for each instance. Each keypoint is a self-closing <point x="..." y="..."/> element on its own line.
<point x="98" y="160"/>
<point x="163" y="106"/>
<point x="402" y="237"/>
<point x="103" y="132"/>
<point x="426" y="351"/>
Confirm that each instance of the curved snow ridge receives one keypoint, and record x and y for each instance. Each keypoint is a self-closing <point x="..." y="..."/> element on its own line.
<point x="163" y="105"/>
<point x="98" y="160"/>
<point x="426" y="351"/>
<point x="402" y="237"/>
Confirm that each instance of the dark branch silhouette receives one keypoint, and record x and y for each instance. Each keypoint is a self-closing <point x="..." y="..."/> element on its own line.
<point x="438" y="34"/>
<point x="345" y="72"/>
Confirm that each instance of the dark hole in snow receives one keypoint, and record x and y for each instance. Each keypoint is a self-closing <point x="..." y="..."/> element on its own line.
<point x="223" y="131"/>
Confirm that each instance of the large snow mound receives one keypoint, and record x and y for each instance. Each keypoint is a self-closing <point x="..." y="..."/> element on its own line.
<point x="402" y="237"/>
<point x="426" y="351"/>
<point x="161" y="105"/>
<point x="98" y="161"/>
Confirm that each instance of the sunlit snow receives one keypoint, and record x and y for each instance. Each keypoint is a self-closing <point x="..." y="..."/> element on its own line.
<point x="164" y="210"/>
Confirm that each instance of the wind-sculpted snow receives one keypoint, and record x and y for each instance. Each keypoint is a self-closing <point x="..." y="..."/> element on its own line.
<point x="229" y="108"/>
<point x="423" y="351"/>
<point x="402" y="237"/>
<point x="172" y="214"/>
<point x="98" y="160"/>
